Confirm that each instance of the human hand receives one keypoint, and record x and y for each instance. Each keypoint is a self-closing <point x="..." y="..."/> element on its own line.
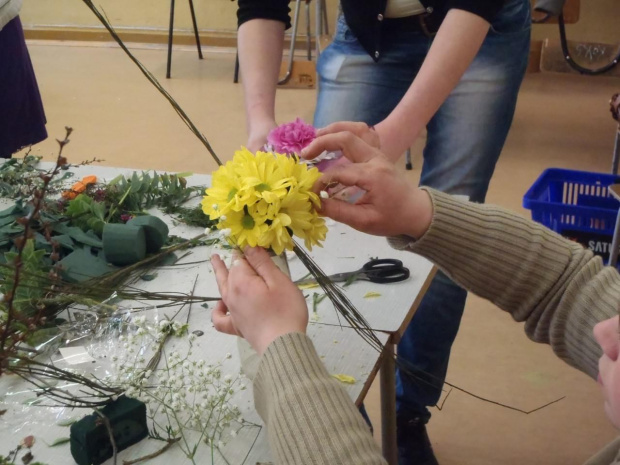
<point x="258" y="134"/>
<point x="362" y="130"/>
<point x="391" y="205"/>
<point x="259" y="302"/>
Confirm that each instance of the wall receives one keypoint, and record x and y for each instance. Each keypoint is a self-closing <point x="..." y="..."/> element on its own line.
<point x="599" y="21"/>
<point x="143" y="15"/>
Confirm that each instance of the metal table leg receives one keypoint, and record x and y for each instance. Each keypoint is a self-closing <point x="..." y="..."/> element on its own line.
<point x="169" y="64"/>
<point x="318" y="27"/>
<point x="236" y="76"/>
<point x="408" y="164"/>
<point x="615" y="243"/>
<point x="191" y="9"/>
<point x="388" y="404"/>
<point x="308" y="32"/>
<point x="325" y="27"/>
<point x="289" y="70"/>
<point x="616" y="156"/>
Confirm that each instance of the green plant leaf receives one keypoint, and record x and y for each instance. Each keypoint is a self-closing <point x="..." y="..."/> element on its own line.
<point x="59" y="441"/>
<point x="66" y="422"/>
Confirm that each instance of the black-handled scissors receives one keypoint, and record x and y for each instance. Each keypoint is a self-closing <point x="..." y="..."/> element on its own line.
<point x="384" y="270"/>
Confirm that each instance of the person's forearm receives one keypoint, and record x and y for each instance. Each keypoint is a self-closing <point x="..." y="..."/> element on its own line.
<point x="456" y="44"/>
<point x="309" y="416"/>
<point x="558" y="288"/>
<point x="260" y="43"/>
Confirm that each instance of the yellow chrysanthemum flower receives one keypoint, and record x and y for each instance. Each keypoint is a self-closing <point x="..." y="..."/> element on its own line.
<point x="246" y="227"/>
<point x="226" y="192"/>
<point x="264" y="200"/>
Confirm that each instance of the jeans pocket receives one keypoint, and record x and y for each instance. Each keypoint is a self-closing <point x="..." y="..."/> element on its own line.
<point x="343" y="33"/>
<point x="513" y="18"/>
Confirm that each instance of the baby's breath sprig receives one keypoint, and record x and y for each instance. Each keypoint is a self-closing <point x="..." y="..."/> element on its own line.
<point x="189" y="401"/>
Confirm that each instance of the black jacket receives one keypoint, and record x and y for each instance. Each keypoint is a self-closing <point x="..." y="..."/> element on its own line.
<point x="365" y="18"/>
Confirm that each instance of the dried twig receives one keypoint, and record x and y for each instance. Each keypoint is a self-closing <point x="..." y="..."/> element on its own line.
<point x="170" y="443"/>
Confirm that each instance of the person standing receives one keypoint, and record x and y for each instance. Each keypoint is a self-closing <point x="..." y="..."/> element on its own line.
<point x="453" y="67"/>
<point x="22" y="119"/>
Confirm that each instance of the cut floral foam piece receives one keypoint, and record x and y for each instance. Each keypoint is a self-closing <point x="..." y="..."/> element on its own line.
<point x="79" y="187"/>
<point x="124" y="244"/>
<point x="155" y="229"/>
<point x="82" y="265"/>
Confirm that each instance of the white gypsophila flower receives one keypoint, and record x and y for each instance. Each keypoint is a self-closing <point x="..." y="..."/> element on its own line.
<point x="233" y="434"/>
<point x="207" y="231"/>
<point x="139" y="320"/>
<point x="228" y="355"/>
<point x="324" y="195"/>
<point x="225" y="232"/>
<point x="215" y="206"/>
<point x="228" y="379"/>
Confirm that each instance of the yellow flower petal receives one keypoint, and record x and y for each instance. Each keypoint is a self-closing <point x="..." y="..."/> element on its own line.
<point x="346" y="379"/>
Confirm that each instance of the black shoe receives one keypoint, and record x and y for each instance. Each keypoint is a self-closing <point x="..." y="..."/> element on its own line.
<point x="414" y="446"/>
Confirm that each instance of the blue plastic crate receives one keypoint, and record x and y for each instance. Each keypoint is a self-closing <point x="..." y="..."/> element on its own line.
<point x="577" y="205"/>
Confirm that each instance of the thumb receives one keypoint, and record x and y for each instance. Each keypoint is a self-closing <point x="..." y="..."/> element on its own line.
<point x="222" y="321"/>
<point x="347" y="175"/>
<point x="354" y="215"/>
<point x="352" y="147"/>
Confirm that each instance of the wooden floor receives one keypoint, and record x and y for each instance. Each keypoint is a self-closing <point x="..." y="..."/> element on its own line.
<point x="561" y="121"/>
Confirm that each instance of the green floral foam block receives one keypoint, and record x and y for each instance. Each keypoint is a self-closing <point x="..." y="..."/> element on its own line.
<point x="90" y="440"/>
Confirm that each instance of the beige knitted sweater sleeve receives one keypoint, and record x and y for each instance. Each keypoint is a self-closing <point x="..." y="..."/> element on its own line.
<point x="553" y="285"/>
<point x="558" y="288"/>
<point x="310" y="418"/>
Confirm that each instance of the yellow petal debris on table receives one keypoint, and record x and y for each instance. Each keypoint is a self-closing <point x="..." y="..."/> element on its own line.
<point x="307" y="286"/>
<point x="371" y="294"/>
<point x="346" y="379"/>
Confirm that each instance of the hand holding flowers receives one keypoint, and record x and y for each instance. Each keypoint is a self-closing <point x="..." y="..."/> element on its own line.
<point x="263" y="302"/>
<point x="391" y="205"/>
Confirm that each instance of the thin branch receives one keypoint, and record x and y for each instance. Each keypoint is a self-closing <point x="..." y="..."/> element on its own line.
<point x="170" y="443"/>
<point x="153" y="80"/>
<point x="108" y="426"/>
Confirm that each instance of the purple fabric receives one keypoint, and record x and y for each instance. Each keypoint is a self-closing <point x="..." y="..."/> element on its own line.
<point x="22" y="119"/>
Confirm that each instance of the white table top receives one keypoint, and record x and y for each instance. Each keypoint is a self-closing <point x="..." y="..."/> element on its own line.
<point x="341" y="349"/>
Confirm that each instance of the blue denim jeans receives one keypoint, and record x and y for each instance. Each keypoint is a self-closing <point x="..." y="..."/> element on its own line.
<point x="464" y="141"/>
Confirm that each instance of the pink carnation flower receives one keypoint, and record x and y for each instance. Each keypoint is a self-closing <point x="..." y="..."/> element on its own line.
<point x="291" y="137"/>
